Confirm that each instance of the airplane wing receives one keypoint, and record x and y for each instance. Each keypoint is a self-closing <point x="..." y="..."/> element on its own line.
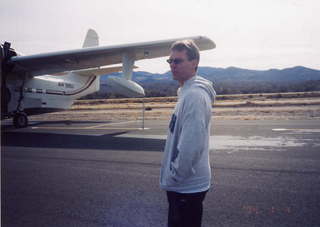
<point x="55" y="62"/>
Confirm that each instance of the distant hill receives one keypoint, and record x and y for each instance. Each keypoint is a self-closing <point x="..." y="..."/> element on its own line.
<point x="298" y="73"/>
<point x="231" y="80"/>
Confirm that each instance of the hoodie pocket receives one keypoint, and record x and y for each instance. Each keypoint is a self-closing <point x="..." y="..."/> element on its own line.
<point x="171" y="181"/>
<point x="172" y="123"/>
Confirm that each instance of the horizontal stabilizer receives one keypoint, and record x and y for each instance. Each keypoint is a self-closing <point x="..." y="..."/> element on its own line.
<point x="95" y="71"/>
<point x="99" y="71"/>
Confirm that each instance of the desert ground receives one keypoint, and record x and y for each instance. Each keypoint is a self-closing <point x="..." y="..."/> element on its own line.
<point x="267" y="106"/>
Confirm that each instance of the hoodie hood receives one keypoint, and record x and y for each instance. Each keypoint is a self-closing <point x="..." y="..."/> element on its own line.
<point x="198" y="81"/>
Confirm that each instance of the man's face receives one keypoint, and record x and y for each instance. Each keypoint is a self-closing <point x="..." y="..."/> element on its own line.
<point x="182" y="69"/>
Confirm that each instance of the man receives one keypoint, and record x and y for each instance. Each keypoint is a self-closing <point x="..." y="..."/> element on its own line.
<point x="185" y="170"/>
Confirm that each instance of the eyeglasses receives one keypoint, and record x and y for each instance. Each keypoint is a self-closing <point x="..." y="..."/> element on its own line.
<point x="175" y="61"/>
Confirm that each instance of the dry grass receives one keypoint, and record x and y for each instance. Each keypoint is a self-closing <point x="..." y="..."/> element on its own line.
<point x="240" y="113"/>
<point x="236" y="107"/>
<point x="247" y="100"/>
<point x="262" y="96"/>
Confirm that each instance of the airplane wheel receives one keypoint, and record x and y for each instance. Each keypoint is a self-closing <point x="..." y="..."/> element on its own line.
<point x="20" y="120"/>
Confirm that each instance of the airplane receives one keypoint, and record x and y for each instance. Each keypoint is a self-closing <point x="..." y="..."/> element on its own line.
<point x="49" y="82"/>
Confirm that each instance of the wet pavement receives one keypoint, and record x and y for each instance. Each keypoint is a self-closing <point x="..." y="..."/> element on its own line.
<point x="266" y="173"/>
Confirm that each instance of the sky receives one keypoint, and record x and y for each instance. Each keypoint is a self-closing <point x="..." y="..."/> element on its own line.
<point x="252" y="34"/>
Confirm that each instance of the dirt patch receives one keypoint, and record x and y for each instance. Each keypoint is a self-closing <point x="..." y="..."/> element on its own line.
<point x="238" y="113"/>
<point x="281" y="106"/>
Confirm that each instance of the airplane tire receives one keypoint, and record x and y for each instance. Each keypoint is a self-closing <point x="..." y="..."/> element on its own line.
<point x="20" y="120"/>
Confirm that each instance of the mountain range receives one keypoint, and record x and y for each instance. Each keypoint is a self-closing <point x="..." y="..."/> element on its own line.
<point x="230" y="80"/>
<point x="294" y="74"/>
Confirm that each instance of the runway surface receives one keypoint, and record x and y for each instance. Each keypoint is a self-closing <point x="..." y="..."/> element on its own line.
<point x="78" y="173"/>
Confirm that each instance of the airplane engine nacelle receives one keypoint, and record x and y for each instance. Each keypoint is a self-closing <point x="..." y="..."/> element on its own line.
<point x="126" y="87"/>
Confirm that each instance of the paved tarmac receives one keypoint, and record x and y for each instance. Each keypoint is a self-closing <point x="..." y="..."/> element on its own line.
<point x="77" y="173"/>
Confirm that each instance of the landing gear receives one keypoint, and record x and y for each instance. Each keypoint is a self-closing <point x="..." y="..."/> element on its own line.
<point x="20" y="120"/>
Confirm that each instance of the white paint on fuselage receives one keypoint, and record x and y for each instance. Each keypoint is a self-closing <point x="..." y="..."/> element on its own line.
<point x="50" y="91"/>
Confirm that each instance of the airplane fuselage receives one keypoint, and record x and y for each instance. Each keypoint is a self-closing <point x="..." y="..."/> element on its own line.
<point x="49" y="93"/>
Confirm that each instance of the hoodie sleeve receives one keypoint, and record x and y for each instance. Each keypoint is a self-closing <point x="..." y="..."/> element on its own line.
<point x="194" y="121"/>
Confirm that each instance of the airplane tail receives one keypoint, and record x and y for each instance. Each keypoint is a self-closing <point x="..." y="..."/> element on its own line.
<point x="89" y="79"/>
<point x="91" y="40"/>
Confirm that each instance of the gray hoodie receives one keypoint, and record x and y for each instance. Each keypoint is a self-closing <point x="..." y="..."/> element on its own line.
<point x="185" y="166"/>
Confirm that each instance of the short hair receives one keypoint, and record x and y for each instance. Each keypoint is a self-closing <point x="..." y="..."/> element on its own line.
<point x="193" y="52"/>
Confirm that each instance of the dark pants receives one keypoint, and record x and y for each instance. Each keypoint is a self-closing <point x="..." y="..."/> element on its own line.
<point x="185" y="210"/>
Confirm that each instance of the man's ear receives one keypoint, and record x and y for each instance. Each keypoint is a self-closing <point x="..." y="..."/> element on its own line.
<point x="195" y="64"/>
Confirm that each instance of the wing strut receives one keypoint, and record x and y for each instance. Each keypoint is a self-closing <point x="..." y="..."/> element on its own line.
<point x="128" y="63"/>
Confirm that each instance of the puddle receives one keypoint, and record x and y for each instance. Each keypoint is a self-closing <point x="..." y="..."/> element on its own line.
<point x="296" y="130"/>
<point x="237" y="143"/>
